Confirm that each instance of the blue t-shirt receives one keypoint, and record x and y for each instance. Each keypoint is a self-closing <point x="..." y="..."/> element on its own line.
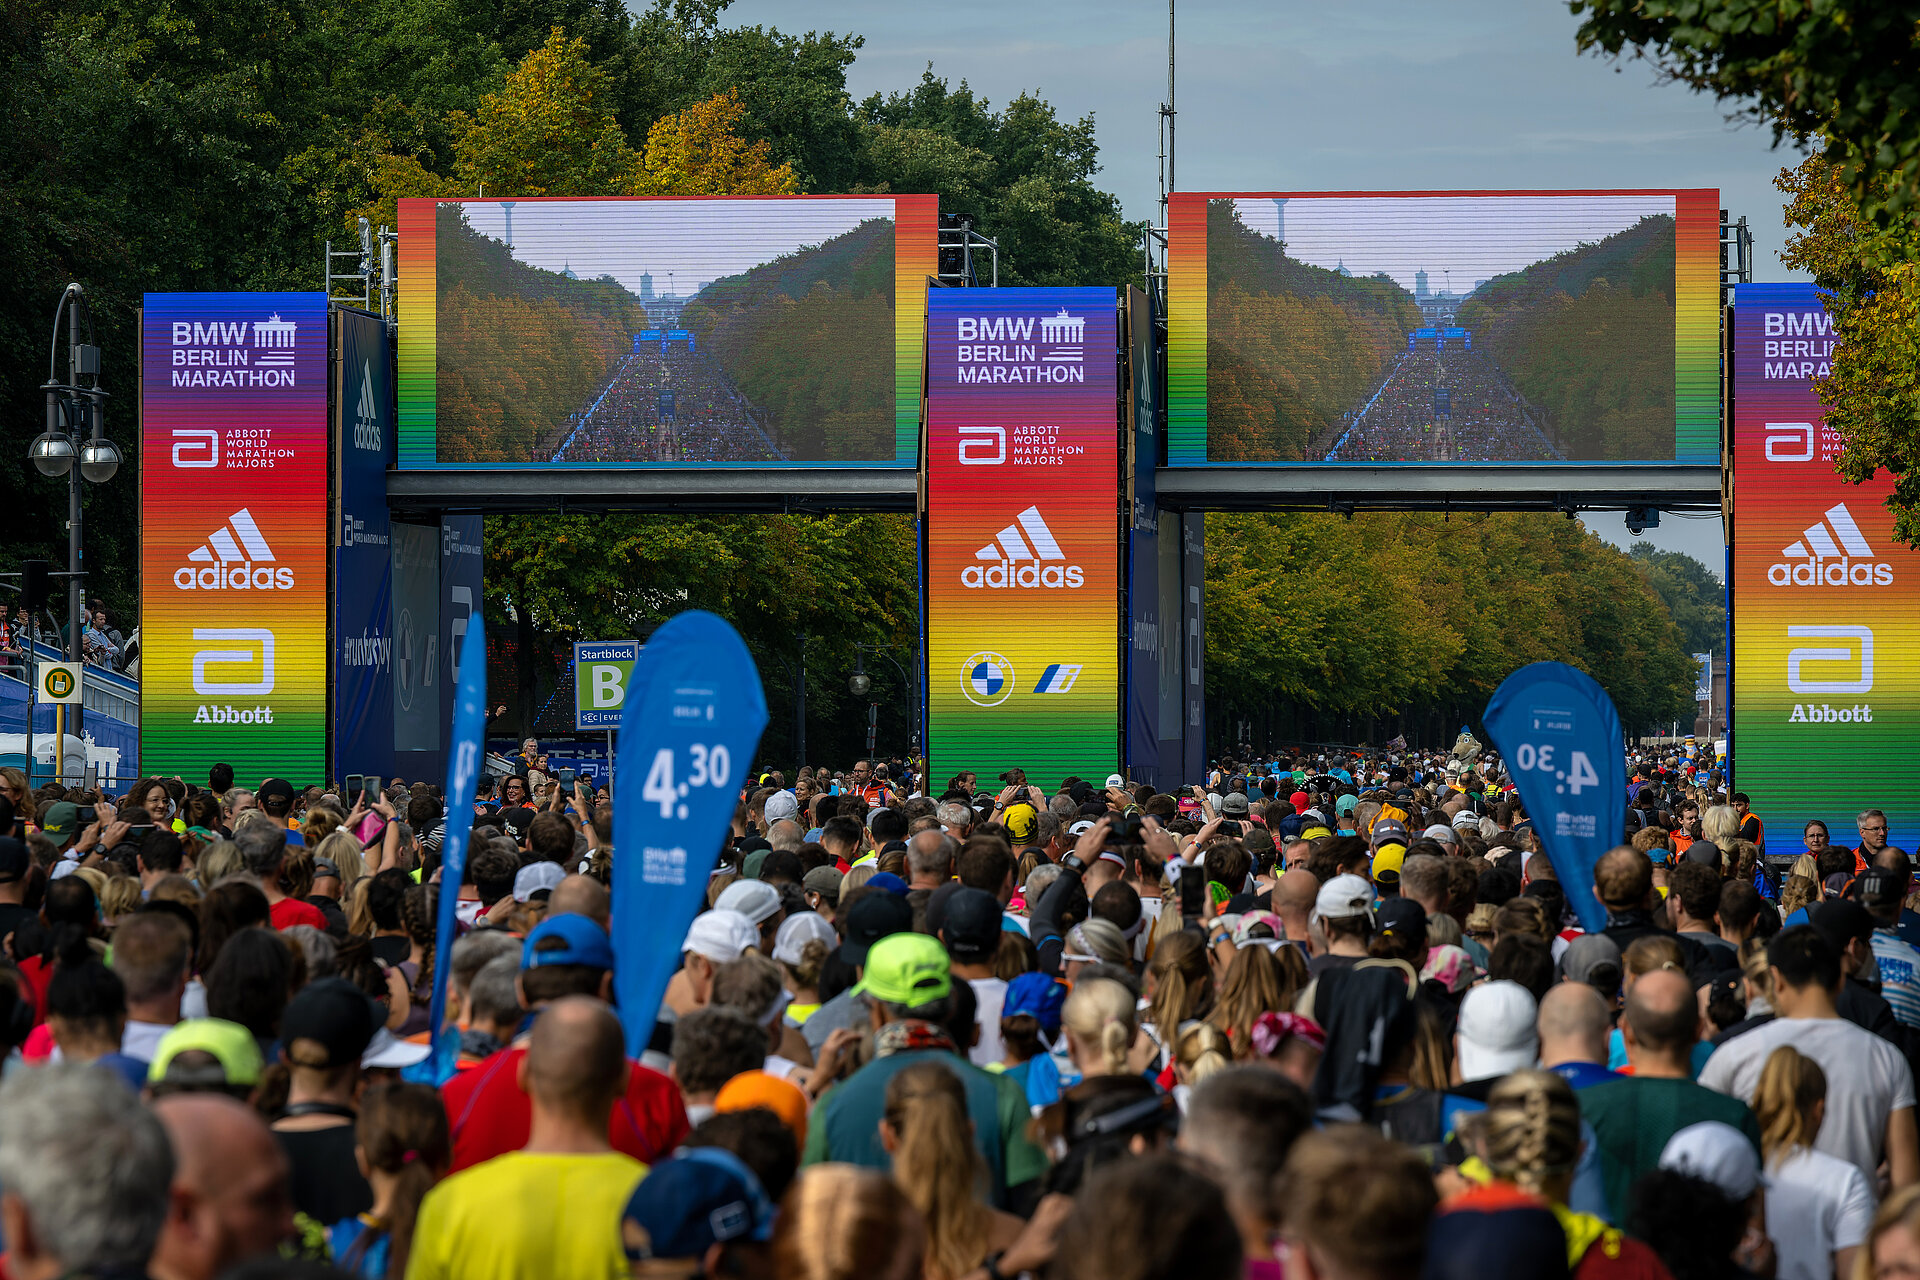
<point x="1617" y="1054"/>
<point x="1582" y="1075"/>
<point x="131" y="1070"/>
<point x="360" y="1249"/>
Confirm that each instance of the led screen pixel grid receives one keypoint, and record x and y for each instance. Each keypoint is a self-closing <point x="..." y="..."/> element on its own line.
<point x="1443" y="327"/>
<point x="659" y="332"/>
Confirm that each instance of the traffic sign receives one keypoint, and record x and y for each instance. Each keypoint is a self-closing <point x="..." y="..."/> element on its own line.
<point x="60" y="682"/>
<point x="601" y="673"/>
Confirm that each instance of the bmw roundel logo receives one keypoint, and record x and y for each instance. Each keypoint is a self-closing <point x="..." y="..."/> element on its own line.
<point x="987" y="679"/>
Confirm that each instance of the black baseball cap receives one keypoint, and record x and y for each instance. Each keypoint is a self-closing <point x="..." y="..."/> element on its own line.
<point x="334" y="1014"/>
<point x="972" y="925"/>
<point x="875" y="916"/>
<point x="517" y="819"/>
<point x="14" y="859"/>
<point x="1878" y="887"/>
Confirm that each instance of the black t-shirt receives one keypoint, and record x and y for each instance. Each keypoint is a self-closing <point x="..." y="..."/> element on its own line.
<point x="24" y="922"/>
<point x="325" y="1180"/>
<point x="391" y="948"/>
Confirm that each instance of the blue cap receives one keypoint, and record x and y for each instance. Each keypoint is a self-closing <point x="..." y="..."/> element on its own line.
<point x="1038" y="995"/>
<point x="888" y="881"/>
<point x="701" y="1197"/>
<point x="584" y="943"/>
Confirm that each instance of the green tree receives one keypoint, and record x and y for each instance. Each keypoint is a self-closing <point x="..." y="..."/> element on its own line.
<point x="1868" y="272"/>
<point x="1845" y="76"/>
<point x="1694" y="598"/>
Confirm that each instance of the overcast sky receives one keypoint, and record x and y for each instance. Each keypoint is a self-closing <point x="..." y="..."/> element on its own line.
<point x="1359" y="95"/>
<point x="683" y="244"/>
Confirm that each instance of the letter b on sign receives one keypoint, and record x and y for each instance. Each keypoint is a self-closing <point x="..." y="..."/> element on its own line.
<point x="607" y="687"/>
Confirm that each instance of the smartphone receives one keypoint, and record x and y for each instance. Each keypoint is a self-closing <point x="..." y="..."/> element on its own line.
<point x="374" y="784"/>
<point x="354" y="786"/>
<point x="565" y="778"/>
<point x="139" y="830"/>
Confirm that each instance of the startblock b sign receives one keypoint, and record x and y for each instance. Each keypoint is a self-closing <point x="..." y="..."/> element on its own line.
<point x="601" y="672"/>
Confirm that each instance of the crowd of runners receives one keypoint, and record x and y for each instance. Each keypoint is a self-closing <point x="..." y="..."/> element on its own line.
<point x="1451" y="406"/>
<point x="1325" y="1015"/>
<point x="671" y="405"/>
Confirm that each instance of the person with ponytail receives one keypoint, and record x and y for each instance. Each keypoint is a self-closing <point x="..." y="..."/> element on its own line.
<point x="1199" y="1050"/>
<point x="1528" y="1146"/>
<point x="87" y="1008"/>
<point x="1819" y="1207"/>
<point x="1179" y="988"/>
<point x="1101" y="1027"/>
<point x="419" y="916"/>
<point x="403" y="1149"/>
<point x="927" y="1132"/>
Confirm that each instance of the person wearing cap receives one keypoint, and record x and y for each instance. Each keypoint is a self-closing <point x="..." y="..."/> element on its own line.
<point x="971" y="929"/>
<point x="275" y="798"/>
<point x="1633" y="1117"/>
<point x="1341" y="924"/>
<point x="488" y="1106"/>
<point x="229" y="1196"/>
<point x="324" y="1032"/>
<point x="550" y="1205"/>
<point x="716" y="937"/>
<point x="206" y="1055"/>
<point x="701" y="1214"/>
<point x="1882" y="894"/>
<point x="870" y="918"/>
<point x="821" y="889"/>
<point x="759" y="902"/>
<point x="801" y="949"/>
<point x="907" y="984"/>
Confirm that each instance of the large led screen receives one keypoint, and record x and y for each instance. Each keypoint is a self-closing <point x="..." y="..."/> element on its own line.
<point x="234" y="535"/>
<point x="661" y="332"/>
<point x="1443" y="327"/>
<point x="1826" y="635"/>
<point x="1023" y="533"/>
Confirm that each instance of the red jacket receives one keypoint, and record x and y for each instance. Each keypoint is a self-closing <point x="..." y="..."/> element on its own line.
<point x="490" y="1116"/>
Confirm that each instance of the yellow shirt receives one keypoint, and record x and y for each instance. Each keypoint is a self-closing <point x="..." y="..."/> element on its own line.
<point x="521" y="1216"/>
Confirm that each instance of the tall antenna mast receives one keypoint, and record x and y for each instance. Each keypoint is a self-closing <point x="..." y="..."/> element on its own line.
<point x="1167" y="113"/>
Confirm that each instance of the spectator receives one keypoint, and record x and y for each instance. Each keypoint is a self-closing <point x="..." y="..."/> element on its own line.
<point x="401" y="1141"/>
<point x="1819" y="1207"/>
<point x="490" y="1112"/>
<point x="1869" y="1086"/>
<point x="551" y="1207"/>
<point x="327" y="1028"/>
<point x="908" y="985"/>
<point x="85" y="1172"/>
<point x="229" y="1198"/>
<point x="1634" y="1117"/>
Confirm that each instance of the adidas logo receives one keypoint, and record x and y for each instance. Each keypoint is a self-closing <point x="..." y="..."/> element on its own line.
<point x="1022" y="555"/>
<point x="366" y="424"/>
<point x="236" y="557"/>
<point x="1831" y="552"/>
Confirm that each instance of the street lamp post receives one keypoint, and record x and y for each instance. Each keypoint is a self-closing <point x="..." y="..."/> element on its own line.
<point x="860" y="683"/>
<point x="76" y="432"/>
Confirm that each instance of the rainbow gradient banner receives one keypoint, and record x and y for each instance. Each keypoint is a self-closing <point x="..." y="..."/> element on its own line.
<point x="1826" y="621"/>
<point x="663" y="331"/>
<point x="1023" y="533"/>
<point x="1443" y="327"/>
<point x="235" y="535"/>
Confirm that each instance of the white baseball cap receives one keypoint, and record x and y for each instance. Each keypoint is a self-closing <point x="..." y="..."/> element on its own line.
<point x="1115" y="780"/>
<point x="721" y="936"/>
<point x="781" y="805"/>
<point x="1498" y="1030"/>
<point x="1717" y="1153"/>
<point x="797" y="930"/>
<point x="1343" y="897"/>
<point x="536" y="877"/>
<point x="755" y="899"/>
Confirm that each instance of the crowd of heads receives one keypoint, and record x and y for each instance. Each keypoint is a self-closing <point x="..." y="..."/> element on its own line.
<point x="1482" y="419"/>
<point x="710" y="420"/>
<point x="1327" y="1014"/>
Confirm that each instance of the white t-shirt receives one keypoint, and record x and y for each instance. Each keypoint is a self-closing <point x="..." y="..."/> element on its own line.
<point x="1817" y="1204"/>
<point x="1867" y="1079"/>
<point x="1149" y="918"/>
<point x="990" y="996"/>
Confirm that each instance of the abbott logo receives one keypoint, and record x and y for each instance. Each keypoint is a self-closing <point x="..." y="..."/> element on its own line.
<point x="196" y="448"/>
<point x="1022" y="555"/>
<point x="983" y="446"/>
<point x="1860" y="651"/>
<point x="236" y="556"/>
<point x="259" y="652"/>
<point x="1789" y="442"/>
<point x="1830" y="553"/>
